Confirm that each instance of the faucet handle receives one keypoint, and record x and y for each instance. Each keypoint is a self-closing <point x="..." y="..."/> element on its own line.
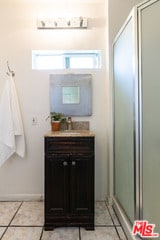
<point x="69" y="122"/>
<point x="70" y="119"/>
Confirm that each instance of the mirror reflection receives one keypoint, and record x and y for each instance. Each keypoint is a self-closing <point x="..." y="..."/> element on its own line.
<point x="70" y="95"/>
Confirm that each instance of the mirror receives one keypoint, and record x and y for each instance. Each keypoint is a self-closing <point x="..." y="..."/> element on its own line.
<point x="71" y="94"/>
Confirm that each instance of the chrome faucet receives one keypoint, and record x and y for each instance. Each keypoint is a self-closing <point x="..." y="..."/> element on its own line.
<point x="69" y="123"/>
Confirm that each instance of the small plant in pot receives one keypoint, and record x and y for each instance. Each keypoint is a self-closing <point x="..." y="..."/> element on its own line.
<point x="56" y="119"/>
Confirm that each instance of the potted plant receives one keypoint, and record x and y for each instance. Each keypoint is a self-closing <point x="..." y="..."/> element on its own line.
<point x="56" y="119"/>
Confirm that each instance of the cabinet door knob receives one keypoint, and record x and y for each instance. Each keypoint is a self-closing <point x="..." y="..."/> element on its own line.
<point x="73" y="163"/>
<point x="65" y="163"/>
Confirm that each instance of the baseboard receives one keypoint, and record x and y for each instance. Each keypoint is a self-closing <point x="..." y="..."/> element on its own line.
<point x="123" y="220"/>
<point x="21" y="197"/>
<point x="109" y="201"/>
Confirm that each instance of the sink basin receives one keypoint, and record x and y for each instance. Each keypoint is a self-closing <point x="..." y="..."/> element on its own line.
<point x="70" y="133"/>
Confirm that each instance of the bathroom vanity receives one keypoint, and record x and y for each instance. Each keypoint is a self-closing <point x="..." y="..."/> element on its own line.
<point x="69" y="179"/>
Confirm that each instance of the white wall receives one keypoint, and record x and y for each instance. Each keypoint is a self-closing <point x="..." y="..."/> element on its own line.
<point x="24" y="178"/>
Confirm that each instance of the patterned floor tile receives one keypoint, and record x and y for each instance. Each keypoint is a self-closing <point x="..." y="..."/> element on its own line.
<point x="28" y="223"/>
<point x="102" y="216"/>
<point x="30" y="214"/>
<point x="121" y="233"/>
<point x="114" y="217"/>
<point x="7" y="211"/>
<point x="23" y="233"/>
<point x="2" y="229"/>
<point x="61" y="234"/>
<point x="100" y="233"/>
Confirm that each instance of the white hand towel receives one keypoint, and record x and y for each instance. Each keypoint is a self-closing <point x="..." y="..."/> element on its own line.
<point x="11" y="128"/>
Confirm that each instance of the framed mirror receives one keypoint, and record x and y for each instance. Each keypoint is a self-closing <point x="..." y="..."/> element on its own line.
<point x="71" y="94"/>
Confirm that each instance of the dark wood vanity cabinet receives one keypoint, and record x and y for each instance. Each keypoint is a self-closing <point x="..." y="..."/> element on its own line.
<point x="69" y="182"/>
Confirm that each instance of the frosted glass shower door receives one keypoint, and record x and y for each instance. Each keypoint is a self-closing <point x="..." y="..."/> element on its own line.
<point x="149" y="17"/>
<point x="124" y="119"/>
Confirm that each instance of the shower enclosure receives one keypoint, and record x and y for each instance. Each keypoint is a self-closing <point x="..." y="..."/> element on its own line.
<point x="136" y="91"/>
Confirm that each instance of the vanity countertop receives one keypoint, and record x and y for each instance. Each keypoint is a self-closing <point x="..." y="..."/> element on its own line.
<point x="71" y="133"/>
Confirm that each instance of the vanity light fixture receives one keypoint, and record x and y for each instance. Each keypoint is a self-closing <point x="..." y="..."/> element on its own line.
<point x="62" y="23"/>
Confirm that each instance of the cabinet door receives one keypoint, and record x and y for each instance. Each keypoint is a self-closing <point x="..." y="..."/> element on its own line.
<point x="82" y="183"/>
<point x="56" y="184"/>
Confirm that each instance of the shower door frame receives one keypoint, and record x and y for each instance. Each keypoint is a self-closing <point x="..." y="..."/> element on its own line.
<point x="138" y="143"/>
<point x="140" y="8"/>
<point x="126" y="223"/>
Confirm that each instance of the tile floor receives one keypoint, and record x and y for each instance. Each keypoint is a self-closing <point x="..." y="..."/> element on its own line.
<point x="24" y="221"/>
